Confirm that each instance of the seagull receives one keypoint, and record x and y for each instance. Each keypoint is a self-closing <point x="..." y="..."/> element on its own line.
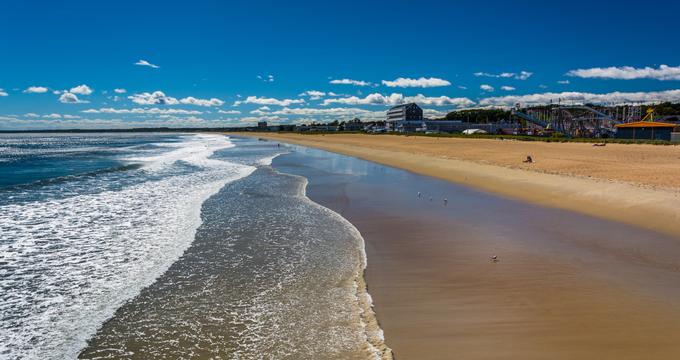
<point x="446" y="201"/>
<point x="418" y="193"/>
<point x="494" y="258"/>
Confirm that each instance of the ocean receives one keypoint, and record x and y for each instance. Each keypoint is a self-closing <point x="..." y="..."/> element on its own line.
<point x="172" y="246"/>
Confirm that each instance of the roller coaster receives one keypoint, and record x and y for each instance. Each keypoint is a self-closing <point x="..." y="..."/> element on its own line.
<point x="574" y="121"/>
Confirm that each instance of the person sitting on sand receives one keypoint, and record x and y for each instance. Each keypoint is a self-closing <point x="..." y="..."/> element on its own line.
<point x="529" y="159"/>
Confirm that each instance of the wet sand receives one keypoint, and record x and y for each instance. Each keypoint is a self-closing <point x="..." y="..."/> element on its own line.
<point x="634" y="184"/>
<point x="566" y="286"/>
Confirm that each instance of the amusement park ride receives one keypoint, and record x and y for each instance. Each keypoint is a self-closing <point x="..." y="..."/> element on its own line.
<point x="580" y="120"/>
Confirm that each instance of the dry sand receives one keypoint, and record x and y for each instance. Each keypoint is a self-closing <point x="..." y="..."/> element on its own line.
<point x="634" y="184"/>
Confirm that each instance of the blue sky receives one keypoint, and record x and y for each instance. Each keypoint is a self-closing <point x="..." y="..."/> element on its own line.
<point x="231" y="63"/>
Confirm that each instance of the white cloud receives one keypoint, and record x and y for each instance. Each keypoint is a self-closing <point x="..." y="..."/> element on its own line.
<point x="154" y="98"/>
<point x="371" y="99"/>
<point x="81" y="90"/>
<point x="154" y="111"/>
<point x="3" y="93"/>
<point x="113" y="123"/>
<point x="663" y="72"/>
<point x="439" y="100"/>
<point x="613" y="98"/>
<point x="268" y="101"/>
<point x="351" y="82"/>
<point x="201" y="102"/>
<point x="522" y="75"/>
<point x="313" y="94"/>
<point x="120" y="91"/>
<point x="421" y="82"/>
<point x="396" y="99"/>
<point x="70" y="98"/>
<point x="51" y="116"/>
<point x="507" y="88"/>
<point x="268" y="78"/>
<point x="228" y="112"/>
<point x="563" y="82"/>
<point x="325" y="113"/>
<point x="36" y="90"/>
<point x="462" y="87"/>
<point x="146" y="63"/>
<point x="486" y="87"/>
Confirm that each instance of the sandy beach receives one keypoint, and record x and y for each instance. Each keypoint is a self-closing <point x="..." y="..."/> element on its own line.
<point x="567" y="285"/>
<point x="633" y="184"/>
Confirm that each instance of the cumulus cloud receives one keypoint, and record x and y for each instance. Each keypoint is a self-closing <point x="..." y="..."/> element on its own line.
<point x="120" y="91"/>
<point x="486" y="87"/>
<point x="563" y="82"/>
<point x="81" y="90"/>
<point x="507" y="88"/>
<point x="154" y="111"/>
<point x="70" y="98"/>
<point x="439" y="100"/>
<point x="201" y="102"/>
<point x="146" y="63"/>
<point x="420" y="82"/>
<point x="228" y="112"/>
<point x="313" y="94"/>
<point x="396" y="99"/>
<point x="36" y="90"/>
<point x="522" y="75"/>
<point x="613" y="98"/>
<point x="154" y="98"/>
<point x="351" y="82"/>
<point x="371" y="99"/>
<point x="268" y="101"/>
<point x="3" y="92"/>
<point x="51" y="116"/>
<point x="663" y="72"/>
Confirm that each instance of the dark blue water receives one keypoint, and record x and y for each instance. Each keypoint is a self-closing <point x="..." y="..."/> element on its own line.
<point x="30" y="158"/>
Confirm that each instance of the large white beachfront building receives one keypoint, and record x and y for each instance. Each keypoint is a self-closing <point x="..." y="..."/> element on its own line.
<point x="405" y="117"/>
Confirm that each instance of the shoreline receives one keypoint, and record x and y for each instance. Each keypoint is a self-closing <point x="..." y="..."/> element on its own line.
<point x="651" y="207"/>
<point x="567" y="284"/>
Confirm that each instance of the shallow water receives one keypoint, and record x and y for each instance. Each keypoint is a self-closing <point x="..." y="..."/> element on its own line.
<point x="135" y="248"/>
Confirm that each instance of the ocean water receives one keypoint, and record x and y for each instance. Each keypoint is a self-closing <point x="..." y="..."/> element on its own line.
<point x="172" y="246"/>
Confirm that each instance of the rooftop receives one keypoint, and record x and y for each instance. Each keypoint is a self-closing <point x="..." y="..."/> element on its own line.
<point x="646" y="124"/>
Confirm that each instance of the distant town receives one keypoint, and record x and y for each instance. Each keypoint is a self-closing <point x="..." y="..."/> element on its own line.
<point x="635" y="122"/>
<point x="660" y="122"/>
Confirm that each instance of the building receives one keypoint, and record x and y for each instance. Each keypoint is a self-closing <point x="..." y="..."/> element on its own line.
<point x="405" y="117"/>
<point x="354" y="125"/>
<point x="447" y="126"/>
<point x="645" y="130"/>
<point x="262" y="125"/>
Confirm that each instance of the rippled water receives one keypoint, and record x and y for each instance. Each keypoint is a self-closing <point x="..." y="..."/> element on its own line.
<point x="135" y="248"/>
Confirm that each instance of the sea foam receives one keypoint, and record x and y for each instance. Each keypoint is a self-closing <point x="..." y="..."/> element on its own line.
<point x="67" y="264"/>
